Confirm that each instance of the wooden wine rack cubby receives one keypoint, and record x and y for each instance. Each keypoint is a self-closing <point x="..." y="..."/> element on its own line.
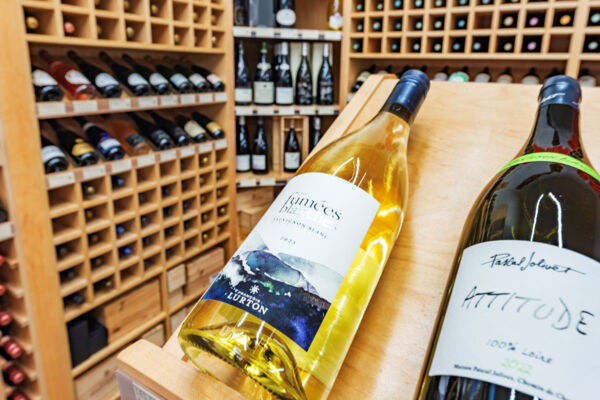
<point x="188" y="193"/>
<point x="497" y="35"/>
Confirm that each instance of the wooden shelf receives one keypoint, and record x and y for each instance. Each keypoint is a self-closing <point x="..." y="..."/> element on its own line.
<point x="249" y="179"/>
<point x="273" y="110"/>
<point x="66" y="109"/>
<point x="114" y="346"/>
<point x="286" y="34"/>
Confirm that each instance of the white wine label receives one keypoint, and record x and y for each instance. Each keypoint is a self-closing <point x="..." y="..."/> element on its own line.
<point x="291" y="160"/>
<point x="336" y="21"/>
<point x="284" y="67"/>
<point x="504" y="78"/>
<point x="107" y="144"/>
<point x="213" y="79"/>
<point x="362" y="78"/>
<point x="194" y="129"/>
<point x="103" y="79"/>
<point x="188" y="98"/>
<point x="284" y="95"/>
<point x="242" y="162"/>
<point x="263" y="92"/>
<point x="178" y="79"/>
<point x="259" y="162"/>
<point x="440" y="76"/>
<point x="157" y="79"/>
<point x="530" y="80"/>
<point x="196" y="79"/>
<point x="263" y="66"/>
<point x="286" y="17"/>
<point x="75" y="77"/>
<point x="587" y="80"/>
<point x="524" y="315"/>
<point x="243" y="95"/>
<point x="290" y="268"/>
<point x="42" y="78"/>
<point x="136" y="79"/>
<point x="50" y="152"/>
<point x="482" y="78"/>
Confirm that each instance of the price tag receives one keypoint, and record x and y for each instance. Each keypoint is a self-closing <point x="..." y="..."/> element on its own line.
<point x="310" y="34"/>
<point x="51" y="108"/>
<point x="332" y="35"/>
<point x="267" y="181"/>
<point x="286" y="110"/>
<point x="62" y="179"/>
<point x="168" y="155"/>
<point x="205" y="98"/>
<point x="119" y="104"/>
<point x="188" y="98"/>
<point x="169" y="100"/>
<point x="290" y="34"/>
<point x="187" y="151"/>
<point x="221" y="144"/>
<point x="142" y="394"/>
<point x="326" y="110"/>
<point x="308" y="110"/>
<point x="242" y="31"/>
<point x="85" y="106"/>
<point x="247" y="182"/>
<point x="243" y="110"/>
<point x="93" y="172"/>
<point x="265" y="32"/>
<point x="265" y="110"/>
<point x="148" y="102"/>
<point x="205" y="147"/>
<point x="144" y="161"/>
<point x="220" y="96"/>
<point x="6" y="230"/>
<point x="120" y="166"/>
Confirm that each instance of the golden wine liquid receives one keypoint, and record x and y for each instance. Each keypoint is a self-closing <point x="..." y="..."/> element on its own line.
<point x="374" y="159"/>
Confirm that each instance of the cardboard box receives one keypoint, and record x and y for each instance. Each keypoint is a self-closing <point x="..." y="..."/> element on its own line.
<point x="130" y="310"/>
<point x="99" y="382"/>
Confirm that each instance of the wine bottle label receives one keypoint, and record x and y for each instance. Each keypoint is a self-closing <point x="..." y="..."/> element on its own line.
<point x="289" y="269"/>
<point x="81" y="147"/>
<point x="242" y="162"/>
<point x="103" y="79"/>
<point x="263" y="66"/>
<point x="75" y="77"/>
<point x="286" y="17"/>
<point x="107" y="143"/>
<point x="504" y="78"/>
<point x="440" y="76"/>
<point x="363" y="77"/>
<point x="291" y="160"/>
<point x="326" y="90"/>
<point x="259" y="162"/>
<point x="458" y="77"/>
<point x="243" y="95"/>
<point x="587" y="81"/>
<point x="197" y="79"/>
<point x="213" y="79"/>
<point x="263" y="92"/>
<point x="178" y="79"/>
<point x="523" y="315"/>
<point x="136" y="79"/>
<point x="134" y="140"/>
<point x="284" y="95"/>
<point x="158" y="136"/>
<point x="213" y="127"/>
<point x="194" y="129"/>
<point x="554" y="158"/>
<point x="42" y="78"/>
<point x="336" y="21"/>
<point x="50" y="152"/>
<point x="157" y="79"/>
<point x="482" y="78"/>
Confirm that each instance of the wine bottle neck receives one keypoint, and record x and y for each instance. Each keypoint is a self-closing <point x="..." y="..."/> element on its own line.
<point x="556" y="130"/>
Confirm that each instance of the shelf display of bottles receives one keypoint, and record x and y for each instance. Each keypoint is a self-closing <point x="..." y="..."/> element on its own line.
<point x="275" y="82"/>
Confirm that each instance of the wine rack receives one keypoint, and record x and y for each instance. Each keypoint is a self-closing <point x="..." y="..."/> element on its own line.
<point x="82" y="241"/>
<point x="171" y="25"/>
<point x="550" y="35"/>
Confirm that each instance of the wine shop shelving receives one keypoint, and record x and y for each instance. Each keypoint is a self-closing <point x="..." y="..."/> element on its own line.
<point x="78" y="245"/>
<point x="286" y="33"/>
<point x="551" y="36"/>
<point x="286" y="110"/>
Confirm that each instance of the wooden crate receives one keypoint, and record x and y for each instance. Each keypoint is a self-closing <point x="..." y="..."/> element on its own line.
<point x="99" y="383"/>
<point x="176" y="278"/>
<point x="131" y="310"/>
<point x="204" y="265"/>
<point x="155" y="335"/>
<point x="461" y="138"/>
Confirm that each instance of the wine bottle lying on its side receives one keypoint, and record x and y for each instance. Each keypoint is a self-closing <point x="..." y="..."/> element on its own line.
<point x="519" y="320"/>
<point x="287" y="305"/>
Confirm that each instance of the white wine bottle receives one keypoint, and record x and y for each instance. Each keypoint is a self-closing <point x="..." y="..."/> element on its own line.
<point x="520" y="321"/>
<point x="287" y="305"/>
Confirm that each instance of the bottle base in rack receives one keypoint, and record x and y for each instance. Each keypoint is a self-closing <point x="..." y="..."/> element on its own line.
<point x="255" y="172"/>
<point x="262" y="354"/>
